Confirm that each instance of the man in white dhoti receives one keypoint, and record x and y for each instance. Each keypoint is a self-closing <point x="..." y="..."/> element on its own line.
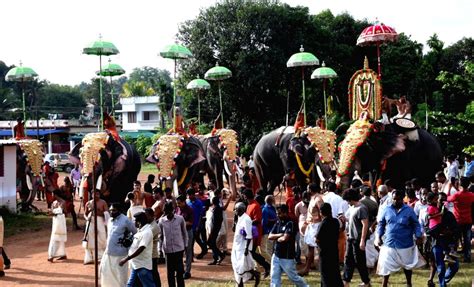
<point x="57" y="243"/>
<point x="102" y="217"/>
<point x="398" y="223"/>
<point x="120" y="228"/>
<point x="241" y="258"/>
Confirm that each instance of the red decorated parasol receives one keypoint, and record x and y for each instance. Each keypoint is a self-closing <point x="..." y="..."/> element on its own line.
<point x="377" y="34"/>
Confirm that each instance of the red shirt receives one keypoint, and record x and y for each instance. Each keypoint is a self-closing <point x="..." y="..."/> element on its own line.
<point x="462" y="206"/>
<point x="291" y="203"/>
<point x="255" y="213"/>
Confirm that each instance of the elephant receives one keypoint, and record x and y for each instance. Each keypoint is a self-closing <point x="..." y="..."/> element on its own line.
<point x="177" y="157"/>
<point x="221" y="154"/>
<point x="390" y="152"/>
<point x="118" y="164"/>
<point x="281" y="152"/>
<point x="29" y="158"/>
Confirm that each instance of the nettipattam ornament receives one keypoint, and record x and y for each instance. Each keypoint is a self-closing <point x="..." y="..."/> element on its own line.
<point x="34" y="153"/>
<point x="228" y="139"/>
<point x="169" y="147"/>
<point x="89" y="153"/>
<point x="325" y="142"/>
<point x="356" y="135"/>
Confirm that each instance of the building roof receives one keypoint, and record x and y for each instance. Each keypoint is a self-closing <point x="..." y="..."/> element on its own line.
<point x="33" y="132"/>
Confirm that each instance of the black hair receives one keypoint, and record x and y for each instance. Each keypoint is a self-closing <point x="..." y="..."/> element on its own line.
<point x="431" y="196"/>
<point x="149" y="211"/>
<point x="411" y="193"/>
<point x="313" y="187"/>
<point x="141" y="218"/>
<point x="331" y="186"/>
<point x="351" y="194"/>
<point x="130" y="195"/>
<point x="181" y="197"/>
<point x="464" y="182"/>
<point x="356" y="183"/>
<point x="151" y="177"/>
<point x="366" y="176"/>
<point x="399" y="192"/>
<point x="282" y="208"/>
<point x="116" y="205"/>
<point x="215" y="200"/>
<point x="415" y="182"/>
<point x="389" y="183"/>
<point x="326" y="209"/>
<point x="440" y="174"/>
<point x="248" y="193"/>
<point x="168" y="189"/>
<point x="137" y="182"/>
<point x="190" y="191"/>
<point x="296" y="189"/>
<point x="169" y="207"/>
<point x="366" y="190"/>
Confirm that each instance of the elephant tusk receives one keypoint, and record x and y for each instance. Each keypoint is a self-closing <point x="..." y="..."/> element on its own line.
<point x="29" y="183"/>
<point x="81" y="186"/>
<point x="98" y="185"/>
<point x="226" y="167"/>
<point x="320" y="173"/>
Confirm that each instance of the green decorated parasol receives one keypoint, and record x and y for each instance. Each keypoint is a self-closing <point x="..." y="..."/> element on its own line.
<point x="101" y="48"/>
<point x="175" y="52"/>
<point x="111" y="70"/>
<point x="302" y="59"/>
<point x="21" y="75"/>
<point x="218" y="73"/>
<point x="324" y="73"/>
<point x="198" y="85"/>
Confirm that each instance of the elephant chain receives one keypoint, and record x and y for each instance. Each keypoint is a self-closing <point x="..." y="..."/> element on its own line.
<point x="306" y="172"/>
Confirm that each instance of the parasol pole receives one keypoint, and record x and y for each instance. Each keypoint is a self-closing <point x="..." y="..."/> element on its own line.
<point x="96" y="246"/>
<point x="174" y="97"/>
<point x="325" y="103"/>
<point x="24" y="104"/>
<point x="220" y="102"/>
<point x="101" y="124"/>
<point x="287" y="107"/>
<point x="304" y="96"/>
<point x="112" y="97"/>
<point x="199" y="110"/>
<point x="378" y="60"/>
<point x="426" y="112"/>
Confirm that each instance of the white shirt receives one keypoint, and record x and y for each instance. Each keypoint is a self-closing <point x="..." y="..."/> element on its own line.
<point x="240" y="242"/>
<point x="453" y="170"/>
<point x="448" y="191"/>
<point x="144" y="237"/>
<point x="419" y="207"/>
<point x="384" y="202"/>
<point x="335" y="201"/>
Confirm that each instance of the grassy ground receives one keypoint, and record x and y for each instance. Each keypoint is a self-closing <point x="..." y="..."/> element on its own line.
<point x="148" y="168"/>
<point x="24" y="223"/>
<point x="464" y="278"/>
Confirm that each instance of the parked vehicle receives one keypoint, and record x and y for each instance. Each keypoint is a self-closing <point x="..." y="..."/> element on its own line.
<point x="59" y="161"/>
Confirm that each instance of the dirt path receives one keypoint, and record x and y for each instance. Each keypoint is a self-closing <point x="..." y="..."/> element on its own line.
<point x="30" y="267"/>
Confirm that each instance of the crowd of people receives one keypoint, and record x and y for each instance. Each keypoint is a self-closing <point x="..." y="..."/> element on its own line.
<point x="335" y="231"/>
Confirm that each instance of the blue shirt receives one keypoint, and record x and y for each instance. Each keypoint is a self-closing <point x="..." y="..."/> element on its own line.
<point x="269" y="217"/>
<point x="469" y="168"/>
<point x="197" y="207"/>
<point x="398" y="227"/>
<point x="117" y="228"/>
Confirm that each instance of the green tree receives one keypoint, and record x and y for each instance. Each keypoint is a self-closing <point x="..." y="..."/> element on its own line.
<point x="54" y="98"/>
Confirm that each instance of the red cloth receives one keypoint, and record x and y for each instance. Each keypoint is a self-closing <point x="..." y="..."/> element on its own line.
<point x="255" y="213"/>
<point x="255" y="183"/>
<point x="149" y="200"/>
<point x="436" y="220"/>
<point x="109" y="124"/>
<point x="462" y="206"/>
<point x="291" y="203"/>
<point x="19" y="131"/>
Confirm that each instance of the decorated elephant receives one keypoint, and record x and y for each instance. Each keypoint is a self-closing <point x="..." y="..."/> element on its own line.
<point x="177" y="157"/>
<point x="220" y="149"/>
<point x="280" y="152"/>
<point x="108" y="163"/>
<point x="29" y="159"/>
<point x="398" y="151"/>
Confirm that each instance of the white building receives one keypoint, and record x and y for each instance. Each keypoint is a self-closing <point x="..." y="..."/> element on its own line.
<point x="140" y="113"/>
<point x="8" y="174"/>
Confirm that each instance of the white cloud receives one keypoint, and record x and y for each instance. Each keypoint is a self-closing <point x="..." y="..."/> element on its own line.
<point x="49" y="35"/>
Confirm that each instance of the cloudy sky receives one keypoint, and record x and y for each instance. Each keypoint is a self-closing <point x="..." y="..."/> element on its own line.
<point x="49" y="35"/>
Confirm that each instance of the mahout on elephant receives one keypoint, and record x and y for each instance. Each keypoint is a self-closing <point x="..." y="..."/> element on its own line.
<point x="108" y="163"/>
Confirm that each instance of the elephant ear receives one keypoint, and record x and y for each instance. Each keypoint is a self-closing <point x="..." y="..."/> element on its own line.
<point x="152" y="157"/>
<point x="192" y="152"/>
<point x="74" y="153"/>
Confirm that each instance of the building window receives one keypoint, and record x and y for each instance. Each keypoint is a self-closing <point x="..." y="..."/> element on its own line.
<point x="150" y="116"/>
<point x="132" y="117"/>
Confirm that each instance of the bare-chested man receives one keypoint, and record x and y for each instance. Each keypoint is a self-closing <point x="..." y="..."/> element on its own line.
<point x="138" y="194"/>
<point x="403" y="108"/>
<point x="102" y="217"/>
<point x="311" y="225"/>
